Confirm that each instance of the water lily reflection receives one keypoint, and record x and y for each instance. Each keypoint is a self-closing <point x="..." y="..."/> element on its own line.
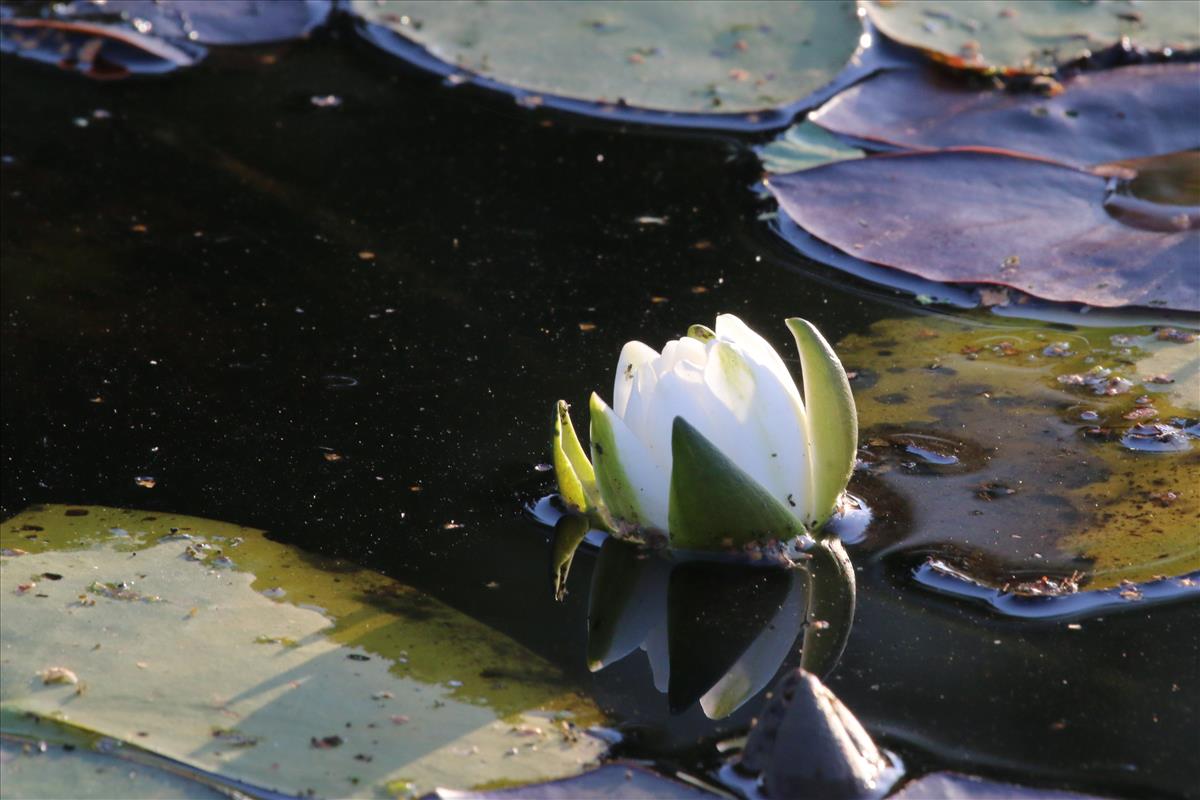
<point x="716" y="632"/>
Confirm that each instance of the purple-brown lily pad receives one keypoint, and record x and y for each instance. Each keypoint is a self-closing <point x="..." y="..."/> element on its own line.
<point x="1096" y="117"/>
<point x="98" y="51"/>
<point x="991" y="217"/>
<point x="211" y="22"/>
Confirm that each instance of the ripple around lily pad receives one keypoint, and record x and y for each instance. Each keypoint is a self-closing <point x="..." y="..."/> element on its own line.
<point x="1055" y="598"/>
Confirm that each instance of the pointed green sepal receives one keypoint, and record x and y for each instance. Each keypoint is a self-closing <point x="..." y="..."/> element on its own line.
<point x="715" y="505"/>
<point x="569" y="532"/>
<point x="618" y="492"/>
<point x="576" y="478"/>
<point x="701" y="333"/>
<point x="832" y="418"/>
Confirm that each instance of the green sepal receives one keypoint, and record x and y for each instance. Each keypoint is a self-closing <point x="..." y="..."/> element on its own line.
<point x="832" y="419"/>
<point x="569" y="532"/>
<point x="576" y="478"/>
<point x="714" y="504"/>
<point x="618" y="493"/>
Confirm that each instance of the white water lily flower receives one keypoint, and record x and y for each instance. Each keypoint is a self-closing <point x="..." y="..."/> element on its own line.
<point x="711" y="442"/>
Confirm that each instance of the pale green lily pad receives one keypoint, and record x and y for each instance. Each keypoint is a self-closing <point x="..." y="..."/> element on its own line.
<point x="1032" y="477"/>
<point x="28" y="772"/>
<point x="380" y="689"/>
<point x="1033" y="36"/>
<point x="804" y="146"/>
<point x="679" y="57"/>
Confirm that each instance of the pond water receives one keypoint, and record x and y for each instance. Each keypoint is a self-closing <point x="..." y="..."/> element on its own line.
<point x="346" y="324"/>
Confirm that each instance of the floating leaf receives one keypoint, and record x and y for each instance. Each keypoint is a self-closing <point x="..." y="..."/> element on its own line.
<point x="228" y="22"/>
<point x="1040" y="486"/>
<point x="96" y="50"/>
<point x="1095" y="117"/>
<point x="382" y="683"/>
<point x="1033" y="37"/>
<point x="974" y="216"/>
<point x="803" y="146"/>
<point x="616" y="781"/>
<point x="972" y="787"/>
<point x="56" y="771"/>
<point x="707" y="58"/>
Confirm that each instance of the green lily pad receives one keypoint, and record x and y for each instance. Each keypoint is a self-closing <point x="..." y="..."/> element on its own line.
<point x="29" y="771"/>
<point x="1023" y="451"/>
<point x="803" y="146"/>
<point x="724" y="58"/>
<point x="1033" y="37"/>
<point x="267" y="665"/>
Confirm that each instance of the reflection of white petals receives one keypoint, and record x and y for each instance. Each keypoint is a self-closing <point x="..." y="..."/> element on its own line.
<point x="644" y="609"/>
<point x="761" y="660"/>
<point x="658" y="653"/>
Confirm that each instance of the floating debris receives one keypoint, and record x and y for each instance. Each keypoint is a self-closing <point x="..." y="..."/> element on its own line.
<point x="58" y="675"/>
<point x="122" y="591"/>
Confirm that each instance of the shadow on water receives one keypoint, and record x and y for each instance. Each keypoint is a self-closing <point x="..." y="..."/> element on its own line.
<point x="348" y="326"/>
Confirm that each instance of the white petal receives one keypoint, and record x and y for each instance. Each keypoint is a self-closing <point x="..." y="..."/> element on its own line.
<point x="633" y="356"/>
<point x="764" y="432"/>
<point x="755" y="348"/>
<point x="677" y="393"/>
<point x="658" y="653"/>
<point x="685" y="350"/>
<point x="644" y="386"/>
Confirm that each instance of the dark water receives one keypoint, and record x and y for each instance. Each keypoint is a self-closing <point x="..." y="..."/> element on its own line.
<point x="185" y="298"/>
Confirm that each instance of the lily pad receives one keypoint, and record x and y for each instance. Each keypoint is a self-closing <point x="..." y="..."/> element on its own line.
<point x="228" y="22"/>
<point x="268" y="666"/>
<point x="976" y="216"/>
<point x="1033" y="37"/>
<point x="36" y="770"/>
<point x="804" y="146"/>
<point x="1040" y="491"/>
<point x="616" y="781"/>
<point x="708" y="58"/>
<point x="1090" y="118"/>
<point x="96" y="50"/>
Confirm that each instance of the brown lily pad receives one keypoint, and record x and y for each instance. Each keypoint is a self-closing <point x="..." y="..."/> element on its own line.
<point x="1097" y="117"/>
<point x="988" y="217"/>
<point x="228" y="22"/>
<point x="97" y="50"/>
